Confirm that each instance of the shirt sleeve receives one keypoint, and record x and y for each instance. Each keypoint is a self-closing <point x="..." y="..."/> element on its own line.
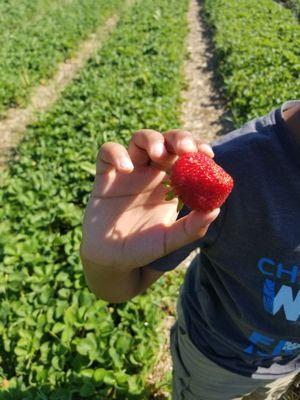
<point x="172" y="260"/>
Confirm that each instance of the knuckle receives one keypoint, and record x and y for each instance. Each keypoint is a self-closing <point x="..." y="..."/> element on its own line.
<point x="143" y="132"/>
<point x="136" y="133"/>
<point x="137" y="136"/>
<point x="176" y="137"/>
<point x="146" y="136"/>
<point x="179" y="132"/>
<point x="108" y="150"/>
<point x="187" y="135"/>
<point x="103" y="152"/>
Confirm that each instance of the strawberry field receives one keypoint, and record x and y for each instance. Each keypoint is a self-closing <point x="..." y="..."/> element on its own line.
<point x="36" y="35"/>
<point x="57" y="341"/>
<point x="259" y="67"/>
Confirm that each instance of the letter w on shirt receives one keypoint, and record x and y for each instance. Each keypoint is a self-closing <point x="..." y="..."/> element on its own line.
<point x="284" y="298"/>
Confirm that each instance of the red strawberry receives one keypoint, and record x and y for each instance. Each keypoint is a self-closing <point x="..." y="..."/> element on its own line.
<point x="199" y="182"/>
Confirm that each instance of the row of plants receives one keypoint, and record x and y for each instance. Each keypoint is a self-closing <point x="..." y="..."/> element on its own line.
<point x="57" y="341"/>
<point x="41" y="36"/>
<point x="257" y="47"/>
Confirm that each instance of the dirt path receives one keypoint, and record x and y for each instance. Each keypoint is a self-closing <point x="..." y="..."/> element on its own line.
<point x="14" y="124"/>
<point x="203" y="114"/>
<point x="203" y="110"/>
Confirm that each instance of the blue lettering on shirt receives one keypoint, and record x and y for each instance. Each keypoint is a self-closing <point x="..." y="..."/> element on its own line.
<point x="270" y="268"/>
<point x="268" y="295"/>
<point x="274" y="301"/>
<point x="284" y="298"/>
<point x="282" y="347"/>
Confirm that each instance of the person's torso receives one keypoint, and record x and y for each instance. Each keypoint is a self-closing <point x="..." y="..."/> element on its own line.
<point x="241" y="296"/>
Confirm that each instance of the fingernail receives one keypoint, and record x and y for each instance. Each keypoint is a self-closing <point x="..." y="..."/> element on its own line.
<point x="188" y="145"/>
<point x="207" y="149"/>
<point x="158" y="149"/>
<point x="125" y="163"/>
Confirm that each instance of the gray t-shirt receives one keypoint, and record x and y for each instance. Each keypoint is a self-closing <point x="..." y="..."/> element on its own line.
<point x="241" y="295"/>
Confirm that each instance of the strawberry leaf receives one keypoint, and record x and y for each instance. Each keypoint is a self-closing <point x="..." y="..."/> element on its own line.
<point x="179" y="205"/>
<point x="167" y="184"/>
<point x="170" y="196"/>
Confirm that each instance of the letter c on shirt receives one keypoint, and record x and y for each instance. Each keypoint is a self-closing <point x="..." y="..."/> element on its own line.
<point x="262" y="263"/>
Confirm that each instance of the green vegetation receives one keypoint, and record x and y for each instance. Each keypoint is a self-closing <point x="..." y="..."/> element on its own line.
<point x="13" y="13"/>
<point x="294" y="5"/>
<point x="258" y="50"/>
<point x="36" y="35"/>
<point x="56" y="340"/>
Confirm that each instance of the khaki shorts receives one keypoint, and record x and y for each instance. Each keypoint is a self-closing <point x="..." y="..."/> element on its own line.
<point x="195" y="377"/>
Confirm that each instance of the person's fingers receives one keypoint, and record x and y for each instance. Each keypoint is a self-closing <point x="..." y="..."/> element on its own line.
<point x="146" y="145"/>
<point x="180" y="141"/>
<point x="205" y="148"/>
<point x="188" y="229"/>
<point x="113" y="156"/>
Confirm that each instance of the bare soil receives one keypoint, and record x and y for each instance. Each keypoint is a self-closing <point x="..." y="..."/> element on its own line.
<point x="203" y="111"/>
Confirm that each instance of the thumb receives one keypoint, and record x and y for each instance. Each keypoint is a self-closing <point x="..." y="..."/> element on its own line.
<point x="188" y="229"/>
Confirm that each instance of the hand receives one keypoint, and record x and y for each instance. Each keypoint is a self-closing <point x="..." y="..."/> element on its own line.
<point x="128" y="223"/>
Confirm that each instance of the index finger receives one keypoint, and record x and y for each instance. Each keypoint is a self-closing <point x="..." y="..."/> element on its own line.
<point x="180" y="141"/>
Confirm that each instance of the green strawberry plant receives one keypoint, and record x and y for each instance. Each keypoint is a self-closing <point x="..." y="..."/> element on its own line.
<point x="36" y="35"/>
<point x="57" y="341"/>
<point x="257" y="48"/>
